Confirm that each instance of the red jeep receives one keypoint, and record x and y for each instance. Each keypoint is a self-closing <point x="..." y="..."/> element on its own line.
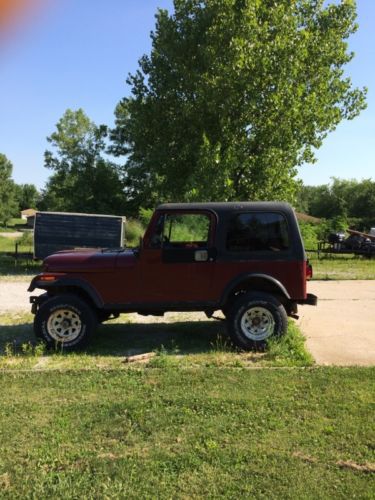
<point x="245" y="259"/>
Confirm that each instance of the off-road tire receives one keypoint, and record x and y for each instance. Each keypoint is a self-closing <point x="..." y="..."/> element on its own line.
<point x="259" y="306"/>
<point x="50" y="317"/>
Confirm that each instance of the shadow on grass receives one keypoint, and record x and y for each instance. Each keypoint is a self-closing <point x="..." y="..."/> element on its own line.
<point x="185" y="337"/>
<point x="124" y="339"/>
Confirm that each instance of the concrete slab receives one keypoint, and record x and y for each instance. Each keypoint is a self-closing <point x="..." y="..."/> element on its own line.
<point x="341" y="330"/>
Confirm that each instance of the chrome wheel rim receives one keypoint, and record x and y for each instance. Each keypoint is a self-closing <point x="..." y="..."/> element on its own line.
<point x="257" y="323"/>
<point x="64" y="325"/>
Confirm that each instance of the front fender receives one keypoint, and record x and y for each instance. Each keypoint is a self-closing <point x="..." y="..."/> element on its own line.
<point x="61" y="281"/>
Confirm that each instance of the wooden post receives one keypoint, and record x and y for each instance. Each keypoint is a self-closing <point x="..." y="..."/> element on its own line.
<point x="16" y="253"/>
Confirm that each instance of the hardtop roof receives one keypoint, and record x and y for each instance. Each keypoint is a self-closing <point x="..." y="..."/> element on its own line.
<point x="229" y="206"/>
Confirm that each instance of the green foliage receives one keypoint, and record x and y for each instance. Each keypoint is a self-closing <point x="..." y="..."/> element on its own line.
<point x="8" y="205"/>
<point x="27" y="196"/>
<point x="187" y="227"/>
<point x="134" y="230"/>
<point x="313" y="233"/>
<point x="343" y="202"/>
<point x="82" y="180"/>
<point x="27" y="349"/>
<point x="309" y="234"/>
<point x="290" y="348"/>
<point x="233" y="97"/>
<point x="145" y="215"/>
<point x="26" y="239"/>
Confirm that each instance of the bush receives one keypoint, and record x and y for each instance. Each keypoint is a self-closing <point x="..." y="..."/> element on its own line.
<point x="145" y="215"/>
<point x="310" y="235"/>
<point x="134" y="230"/>
<point x="313" y="233"/>
<point x="26" y="240"/>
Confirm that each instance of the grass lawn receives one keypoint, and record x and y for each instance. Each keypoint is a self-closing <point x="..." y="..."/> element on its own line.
<point x="343" y="267"/>
<point x="13" y="225"/>
<point x="8" y="264"/>
<point x="199" y="432"/>
<point x="198" y="420"/>
<point x="177" y="340"/>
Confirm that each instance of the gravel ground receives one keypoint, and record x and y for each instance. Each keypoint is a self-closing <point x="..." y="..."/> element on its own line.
<point x="14" y="234"/>
<point x="340" y="331"/>
<point x="14" y="295"/>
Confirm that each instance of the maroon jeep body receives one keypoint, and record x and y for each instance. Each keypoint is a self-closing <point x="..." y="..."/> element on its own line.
<point x="245" y="259"/>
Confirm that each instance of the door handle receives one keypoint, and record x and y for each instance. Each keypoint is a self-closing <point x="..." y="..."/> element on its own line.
<point x="201" y="255"/>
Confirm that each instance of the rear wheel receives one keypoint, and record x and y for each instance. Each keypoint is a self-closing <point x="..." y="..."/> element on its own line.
<point x="254" y="318"/>
<point x="65" y="321"/>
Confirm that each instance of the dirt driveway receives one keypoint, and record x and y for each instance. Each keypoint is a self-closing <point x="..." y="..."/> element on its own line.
<point x="340" y="331"/>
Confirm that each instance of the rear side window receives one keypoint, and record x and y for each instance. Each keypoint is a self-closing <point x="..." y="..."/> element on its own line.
<point x="257" y="232"/>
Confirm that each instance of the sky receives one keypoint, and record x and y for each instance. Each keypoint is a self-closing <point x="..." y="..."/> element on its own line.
<point x="78" y="53"/>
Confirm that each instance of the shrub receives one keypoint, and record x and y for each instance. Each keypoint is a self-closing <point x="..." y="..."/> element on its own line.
<point x="134" y="230"/>
<point x="309" y="234"/>
<point x="26" y="240"/>
<point x="145" y="215"/>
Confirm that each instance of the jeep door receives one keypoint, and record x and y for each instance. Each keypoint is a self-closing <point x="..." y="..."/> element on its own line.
<point x="177" y="258"/>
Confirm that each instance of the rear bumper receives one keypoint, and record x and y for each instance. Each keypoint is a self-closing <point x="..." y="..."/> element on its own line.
<point x="310" y="300"/>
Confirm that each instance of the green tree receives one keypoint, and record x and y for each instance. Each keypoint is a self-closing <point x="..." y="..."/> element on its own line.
<point x="363" y="204"/>
<point x="350" y="201"/>
<point x="235" y="95"/>
<point x="8" y="205"/>
<point x="83" y="180"/>
<point x="328" y="200"/>
<point x="27" y="196"/>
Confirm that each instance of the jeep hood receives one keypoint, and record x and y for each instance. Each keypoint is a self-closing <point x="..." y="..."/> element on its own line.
<point x="85" y="260"/>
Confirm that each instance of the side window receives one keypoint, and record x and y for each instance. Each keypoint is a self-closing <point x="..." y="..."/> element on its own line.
<point x="182" y="231"/>
<point x="257" y="231"/>
<point x="186" y="230"/>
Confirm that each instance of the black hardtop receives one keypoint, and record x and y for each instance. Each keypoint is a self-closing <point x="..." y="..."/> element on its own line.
<point x="225" y="210"/>
<point x="230" y="206"/>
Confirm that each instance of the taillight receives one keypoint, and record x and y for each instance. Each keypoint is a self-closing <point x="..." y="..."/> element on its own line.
<point x="309" y="270"/>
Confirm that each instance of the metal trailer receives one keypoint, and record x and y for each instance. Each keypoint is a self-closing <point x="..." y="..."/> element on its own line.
<point x="55" y="231"/>
<point x="358" y="243"/>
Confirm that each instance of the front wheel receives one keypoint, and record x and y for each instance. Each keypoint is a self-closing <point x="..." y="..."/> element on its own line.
<point x="254" y="318"/>
<point x="65" y="321"/>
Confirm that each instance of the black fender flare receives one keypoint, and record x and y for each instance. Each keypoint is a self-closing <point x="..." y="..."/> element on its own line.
<point x="247" y="277"/>
<point x="68" y="282"/>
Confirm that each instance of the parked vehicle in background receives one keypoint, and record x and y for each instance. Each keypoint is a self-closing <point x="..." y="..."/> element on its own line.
<point x="357" y="242"/>
<point x="245" y="259"/>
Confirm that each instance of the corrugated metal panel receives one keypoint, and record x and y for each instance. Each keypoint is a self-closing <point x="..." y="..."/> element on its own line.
<point x="63" y="231"/>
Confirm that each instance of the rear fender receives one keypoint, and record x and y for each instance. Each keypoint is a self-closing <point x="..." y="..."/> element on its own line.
<point x="254" y="281"/>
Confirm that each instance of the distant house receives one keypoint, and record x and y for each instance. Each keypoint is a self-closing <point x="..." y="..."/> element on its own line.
<point x="307" y="218"/>
<point x="29" y="216"/>
<point x="29" y="212"/>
